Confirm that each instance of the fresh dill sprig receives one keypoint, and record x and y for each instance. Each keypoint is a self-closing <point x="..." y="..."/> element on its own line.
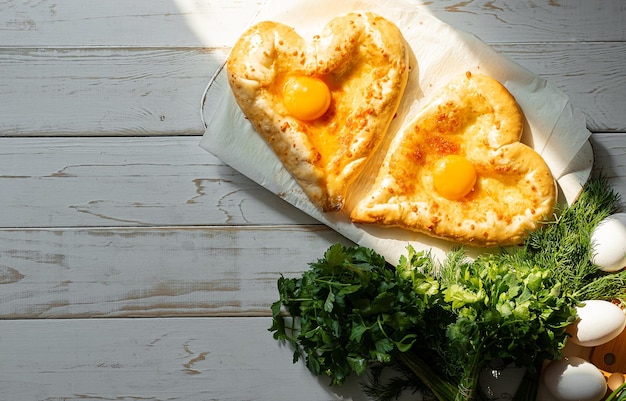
<point x="396" y="383"/>
<point x="563" y="246"/>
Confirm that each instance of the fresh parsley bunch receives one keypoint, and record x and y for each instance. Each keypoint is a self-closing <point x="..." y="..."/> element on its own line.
<point x="350" y="310"/>
<point x="440" y="324"/>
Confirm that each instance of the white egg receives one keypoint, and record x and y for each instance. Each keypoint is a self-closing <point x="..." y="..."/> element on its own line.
<point x="609" y="243"/>
<point x="574" y="379"/>
<point x="598" y="322"/>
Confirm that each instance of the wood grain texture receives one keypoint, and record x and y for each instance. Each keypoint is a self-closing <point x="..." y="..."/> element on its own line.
<point x="151" y="272"/>
<point x="196" y="23"/>
<point x="591" y="74"/>
<point x="90" y="181"/>
<point x="197" y="359"/>
<point x="610" y="159"/>
<point x="535" y="21"/>
<point x="104" y="91"/>
<point x="120" y="23"/>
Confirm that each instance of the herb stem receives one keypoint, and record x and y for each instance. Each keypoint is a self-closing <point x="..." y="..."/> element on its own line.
<point x="468" y="386"/>
<point x="527" y="390"/>
<point x="441" y="389"/>
<point x="332" y="283"/>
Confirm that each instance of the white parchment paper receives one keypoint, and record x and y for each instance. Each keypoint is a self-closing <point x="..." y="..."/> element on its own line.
<point x="440" y="52"/>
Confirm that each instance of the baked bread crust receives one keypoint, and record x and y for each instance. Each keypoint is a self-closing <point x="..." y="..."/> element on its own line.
<point x="475" y="117"/>
<point x="362" y="57"/>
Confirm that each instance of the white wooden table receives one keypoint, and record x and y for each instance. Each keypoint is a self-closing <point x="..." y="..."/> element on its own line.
<point x="136" y="266"/>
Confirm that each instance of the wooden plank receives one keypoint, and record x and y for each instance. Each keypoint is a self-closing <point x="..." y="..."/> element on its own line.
<point x="104" y="91"/>
<point x="146" y="181"/>
<point x="159" y="271"/>
<point x="591" y="74"/>
<point x="158" y="181"/>
<point x="610" y="159"/>
<point x="120" y="23"/>
<point x="196" y="23"/>
<point x="154" y="359"/>
<point x="132" y="92"/>
<point x="503" y="21"/>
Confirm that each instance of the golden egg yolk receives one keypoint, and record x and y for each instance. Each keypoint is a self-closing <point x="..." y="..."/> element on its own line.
<point x="306" y="98"/>
<point x="454" y="177"/>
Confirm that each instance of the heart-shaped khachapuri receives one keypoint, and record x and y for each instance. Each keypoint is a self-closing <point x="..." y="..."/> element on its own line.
<point x="459" y="172"/>
<point x="322" y="105"/>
